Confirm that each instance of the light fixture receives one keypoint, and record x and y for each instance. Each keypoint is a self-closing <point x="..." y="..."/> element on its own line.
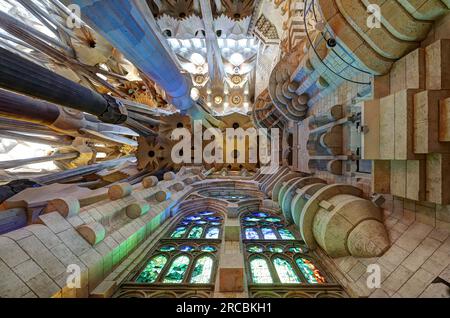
<point x="195" y="93"/>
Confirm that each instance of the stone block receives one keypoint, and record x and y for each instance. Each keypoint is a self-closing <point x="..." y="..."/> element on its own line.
<point x="395" y="280"/>
<point x="371" y="136"/>
<point x="387" y="127"/>
<point x="404" y="125"/>
<point x="444" y="120"/>
<point x="93" y="233"/>
<point x="438" y="178"/>
<point x="11" y="253"/>
<point x="381" y="176"/>
<point x="11" y="286"/>
<point x="27" y="270"/>
<point x="415" y="69"/>
<point x="426" y="122"/>
<point x="43" y="286"/>
<point x="398" y="76"/>
<point x="421" y="254"/>
<point x="438" y="65"/>
<point x="393" y="257"/>
<point x="74" y="241"/>
<point x="415" y="179"/>
<point x="398" y="178"/>
<point x="416" y="284"/>
<point x="55" y="222"/>
<point x="414" y="236"/>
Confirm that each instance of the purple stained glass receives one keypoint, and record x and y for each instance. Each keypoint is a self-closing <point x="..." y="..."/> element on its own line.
<point x="260" y="214"/>
<point x="187" y="248"/>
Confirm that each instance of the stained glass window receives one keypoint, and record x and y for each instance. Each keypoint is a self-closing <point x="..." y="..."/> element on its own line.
<point x="202" y="270"/>
<point x="285" y="271"/>
<point x="196" y="232"/>
<point x="286" y="234"/>
<point x="152" y="270"/>
<point x="268" y="233"/>
<point x="260" y="271"/>
<point x="197" y="236"/>
<point x="205" y="224"/>
<point x="177" y="270"/>
<point x="212" y="233"/>
<point x="179" y="232"/>
<point x="310" y="271"/>
<point x="274" y="255"/>
<point x="251" y="234"/>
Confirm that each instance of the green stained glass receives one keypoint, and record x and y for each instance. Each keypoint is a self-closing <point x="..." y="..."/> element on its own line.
<point x="196" y="232"/>
<point x="273" y="220"/>
<point x="255" y="249"/>
<point x="310" y="271"/>
<point x="202" y="271"/>
<point x="177" y="270"/>
<point x="152" y="270"/>
<point x="295" y="250"/>
<point x="286" y="234"/>
<point x="285" y="271"/>
<point x="167" y="248"/>
<point x="179" y="232"/>
<point x="275" y="249"/>
<point x="260" y="271"/>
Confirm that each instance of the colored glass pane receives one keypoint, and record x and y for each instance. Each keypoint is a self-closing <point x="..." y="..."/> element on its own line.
<point x="215" y="223"/>
<point x="260" y="271"/>
<point x="192" y="218"/>
<point x="295" y="250"/>
<point x="255" y="249"/>
<point x="206" y="213"/>
<point x="273" y="220"/>
<point x="275" y="249"/>
<point x="310" y="271"/>
<point x="179" y="232"/>
<point x="213" y="218"/>
<point x="152" y="270"/>
<point x="196" y="232"/>
<point x="259" y="214"/>
<point x="251" y="234"/>
<point x="202" y="271"/>
<point x="212" y="233"/>
<point x="177" y="270"/>
<point x="201" y="222"/>
<point x="286" y="234"/>
<point x="208" y="248"/>
<point x="268" y="233"/>
<point x="187" y="248"/>
<point x="285" y="271"/>
<point x="167" y="248"/>
<point x="252" y="219"/>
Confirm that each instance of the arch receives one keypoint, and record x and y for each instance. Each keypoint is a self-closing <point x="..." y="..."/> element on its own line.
<point x="285" y="271"/>
<point x="202" y="271"/>
<point x="259" y="270"/>
<point x="177" y="270"/>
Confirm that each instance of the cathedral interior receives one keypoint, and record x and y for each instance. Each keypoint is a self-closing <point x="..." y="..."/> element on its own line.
<point x="224" y="149"/>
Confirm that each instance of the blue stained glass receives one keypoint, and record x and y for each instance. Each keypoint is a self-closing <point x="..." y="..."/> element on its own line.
<point x="177" y="270"/>
<point x="273" y="220"/>
<point x="192" y="218"/>
<point x="268" y="233"/>
<point x="251" y="219"/>
<point x="208" y="248"/>
<point x="187" y="248"/>
<point x="206" y="213"/>
<point x="213" y="218"/>
<point x="212" y="233"/>
<point x="201" y="222"/>
<point x="185" y="223"/>
<point x="251" y="234"/>
<point x="216" y="223"/>
<point x="260" y="214"/>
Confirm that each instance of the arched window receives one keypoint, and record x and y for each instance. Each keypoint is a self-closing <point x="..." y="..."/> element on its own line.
<point x="187" y="255"/>
<point x="274" y="254"/>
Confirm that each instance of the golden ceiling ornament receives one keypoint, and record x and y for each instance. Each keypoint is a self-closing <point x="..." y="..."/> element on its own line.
<point x="236" y="79"/>
<point x="218" y="100"/>
<point x="236" y="99"/>
<point x="199" y="79"/>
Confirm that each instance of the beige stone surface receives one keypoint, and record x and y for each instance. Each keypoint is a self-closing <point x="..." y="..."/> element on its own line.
<point x="444" y="120"/>
<point x="438" y="65"/>
<point x="381" y="176"/>
<point x="398" y="178"/>
<point x="438" y="178"/>
<point x="387" y="127"/>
